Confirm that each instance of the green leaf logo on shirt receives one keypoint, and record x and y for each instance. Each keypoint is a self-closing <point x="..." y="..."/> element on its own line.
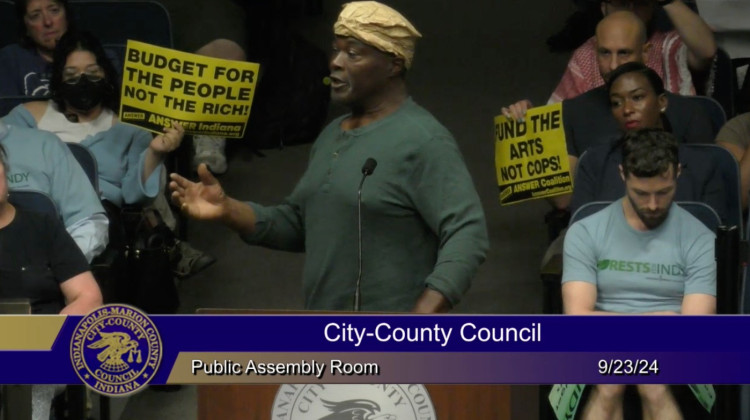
<point x="602" y="265"/>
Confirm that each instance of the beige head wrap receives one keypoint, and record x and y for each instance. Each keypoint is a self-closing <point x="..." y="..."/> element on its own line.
<point x="380" y="26"/>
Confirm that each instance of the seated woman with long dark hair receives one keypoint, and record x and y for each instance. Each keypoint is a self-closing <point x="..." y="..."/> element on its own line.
<point x="85" y="99"/>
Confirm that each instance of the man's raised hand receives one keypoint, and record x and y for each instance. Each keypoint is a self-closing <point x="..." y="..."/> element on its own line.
<point x="203" y="200"/>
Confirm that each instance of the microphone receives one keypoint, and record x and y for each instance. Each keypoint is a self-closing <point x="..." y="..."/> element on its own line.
<point x="367" y="169"/>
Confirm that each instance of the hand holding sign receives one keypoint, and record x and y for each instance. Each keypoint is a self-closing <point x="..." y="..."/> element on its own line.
<point x="531" y="156"/>
<point x="170" y="140"/>
<point x="208" y="96"/>
<point x="517" y="111"/>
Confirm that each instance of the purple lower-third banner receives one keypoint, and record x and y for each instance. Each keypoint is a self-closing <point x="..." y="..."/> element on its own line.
<point x="118" y="349"/>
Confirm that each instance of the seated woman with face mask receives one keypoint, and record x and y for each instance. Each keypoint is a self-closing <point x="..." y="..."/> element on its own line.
<point x="85" y="99"/>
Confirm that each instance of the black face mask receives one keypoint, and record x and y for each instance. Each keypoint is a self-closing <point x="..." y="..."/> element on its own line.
<point x="84" y="94"/>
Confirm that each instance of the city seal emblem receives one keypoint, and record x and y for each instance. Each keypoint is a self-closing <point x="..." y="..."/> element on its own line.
<point x="350" y="402"/>
<point x="116" y="350"/>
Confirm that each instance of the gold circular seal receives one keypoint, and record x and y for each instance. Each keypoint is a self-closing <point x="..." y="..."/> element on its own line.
<point x="116" y="350"/>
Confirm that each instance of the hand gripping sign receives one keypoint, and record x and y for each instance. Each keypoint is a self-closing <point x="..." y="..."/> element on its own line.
<point x="208" y="96"/>
<point x="531" y="157"/>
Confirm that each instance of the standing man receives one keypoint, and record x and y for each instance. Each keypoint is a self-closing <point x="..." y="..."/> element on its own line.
<point x="422" y="225"/>
<point x="643" y="254"/>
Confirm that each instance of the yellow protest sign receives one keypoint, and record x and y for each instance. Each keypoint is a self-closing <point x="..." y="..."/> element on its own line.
<point x="531" y="157"/>
<point x="206" y="95"/>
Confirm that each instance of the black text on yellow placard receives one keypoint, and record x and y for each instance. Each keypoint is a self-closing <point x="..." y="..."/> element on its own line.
<point x="207" y="95"/>
<point x="531" y="157"/>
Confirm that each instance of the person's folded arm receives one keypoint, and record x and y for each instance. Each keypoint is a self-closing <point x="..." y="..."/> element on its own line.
<point x="579" y="298"/>
<point x="91" y="234"/>
<point x="700" y="284"/>
<point x="579" y="288"/>
<point x="698" y="304"/>
<point x="82" y="294"/>
<point x="77" y="284"/>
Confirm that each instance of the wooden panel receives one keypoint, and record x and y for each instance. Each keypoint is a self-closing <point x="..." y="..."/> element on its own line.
<point x="235" y="402"/>
<point x="471" y="401"/>
<point x="253" y="402"/>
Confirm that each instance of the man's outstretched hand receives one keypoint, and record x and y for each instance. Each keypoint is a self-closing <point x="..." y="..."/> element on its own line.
<point x="204" y="200"/>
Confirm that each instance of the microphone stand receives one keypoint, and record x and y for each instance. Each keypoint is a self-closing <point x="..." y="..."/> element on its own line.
<point x="367" y="170"/>
<point x="358" y="291"/>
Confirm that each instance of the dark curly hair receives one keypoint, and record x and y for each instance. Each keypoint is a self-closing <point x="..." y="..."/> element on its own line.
<point x="83" y="41"/>
<point x="649" y="152"/>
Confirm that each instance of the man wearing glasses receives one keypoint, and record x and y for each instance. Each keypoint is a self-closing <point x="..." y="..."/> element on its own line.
<point x="679" y="56"/>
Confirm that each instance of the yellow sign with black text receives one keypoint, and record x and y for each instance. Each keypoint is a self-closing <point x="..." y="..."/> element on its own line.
<point x="208" y="96"/>
<point x="531" y="158"/>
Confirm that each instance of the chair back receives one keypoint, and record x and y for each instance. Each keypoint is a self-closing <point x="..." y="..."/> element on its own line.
<point x="87" y="161"/>
<point x="36" y="201"/>
<point x="114" y="23"/>
<point x="588" y="209"/>
<point x="724" y="170"/>
<point x="714" y="110"/>
<point x="702" y="212"/>
<point x="710" y="175"/>
<point x="741" y="87"/>
<point x="724" y="82"/>
<point x="8" y="23"/>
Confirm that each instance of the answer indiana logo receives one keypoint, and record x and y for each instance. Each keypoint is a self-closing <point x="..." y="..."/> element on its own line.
<point x="116" y="350"/>
<point x="352" y="402"/>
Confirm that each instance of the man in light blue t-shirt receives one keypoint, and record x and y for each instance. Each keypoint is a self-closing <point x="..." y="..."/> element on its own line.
<point x="641" y="255"/>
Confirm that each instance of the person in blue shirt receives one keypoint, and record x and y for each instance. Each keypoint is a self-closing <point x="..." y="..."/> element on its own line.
<point x="643" y="254"/>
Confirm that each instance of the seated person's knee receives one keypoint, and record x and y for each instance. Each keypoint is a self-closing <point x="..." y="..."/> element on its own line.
<point x="654" y="394"/>
<point x="610" y="394"/>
